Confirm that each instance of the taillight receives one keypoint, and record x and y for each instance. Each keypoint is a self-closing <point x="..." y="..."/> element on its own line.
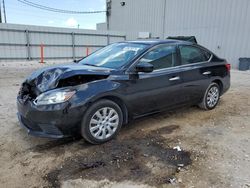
<point x="228" y="67"/>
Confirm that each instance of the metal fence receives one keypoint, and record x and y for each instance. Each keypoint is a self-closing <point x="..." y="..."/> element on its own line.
<point x="19" y="42"/>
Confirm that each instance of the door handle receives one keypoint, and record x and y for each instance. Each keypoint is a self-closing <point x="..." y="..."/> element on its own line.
<point x="206" y="73"/>
<point x="175" y="78"/>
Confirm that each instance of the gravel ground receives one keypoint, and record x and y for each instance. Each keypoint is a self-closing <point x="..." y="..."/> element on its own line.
<point x="215" y="146"/>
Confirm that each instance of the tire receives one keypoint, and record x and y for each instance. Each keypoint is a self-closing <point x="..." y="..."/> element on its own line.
<point x="105" y="118"/>
<point x="208" y="104"/>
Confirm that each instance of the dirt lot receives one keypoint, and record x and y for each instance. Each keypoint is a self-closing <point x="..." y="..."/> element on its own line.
<point x="215" y="146"/>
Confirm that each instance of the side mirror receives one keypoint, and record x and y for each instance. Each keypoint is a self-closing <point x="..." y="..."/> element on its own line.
<point x="144" y="67"/>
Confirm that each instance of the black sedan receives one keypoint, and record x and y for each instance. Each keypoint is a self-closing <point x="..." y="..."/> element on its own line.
<point x="118" y="83"/>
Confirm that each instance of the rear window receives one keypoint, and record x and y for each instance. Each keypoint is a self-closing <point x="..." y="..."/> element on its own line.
<point x="191" y="54"/>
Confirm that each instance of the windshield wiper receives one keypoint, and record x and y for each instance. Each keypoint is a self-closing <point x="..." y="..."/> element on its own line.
<point x="90" y="65"/>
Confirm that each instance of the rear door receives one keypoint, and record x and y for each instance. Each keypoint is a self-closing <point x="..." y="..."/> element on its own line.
<point x="196" y="73"/>
<point x="149" y="92"/>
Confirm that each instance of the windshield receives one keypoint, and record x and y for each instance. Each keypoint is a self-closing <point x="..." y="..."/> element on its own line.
<point x="114" y="56"/>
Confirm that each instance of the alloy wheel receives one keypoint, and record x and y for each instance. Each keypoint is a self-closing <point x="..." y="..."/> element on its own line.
<point x="104" y="123"/>
<point x="213" y="96"/>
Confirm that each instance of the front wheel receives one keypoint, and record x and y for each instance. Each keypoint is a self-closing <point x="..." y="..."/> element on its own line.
<point x="211" y="97"/>
<point x="101" y="122"/>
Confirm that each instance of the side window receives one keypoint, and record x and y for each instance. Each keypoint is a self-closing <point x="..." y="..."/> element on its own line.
<point x="161" y="57"/>
<point x="207" y="55"/>
<point x="190" y="54"/>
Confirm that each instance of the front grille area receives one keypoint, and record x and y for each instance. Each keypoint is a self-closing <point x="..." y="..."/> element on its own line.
<point x="27" y="91"/>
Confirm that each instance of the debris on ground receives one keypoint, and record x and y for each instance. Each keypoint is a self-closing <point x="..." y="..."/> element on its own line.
<point x="178" y="148"/>
<point x="178" y="169"/>
<point x="172" y="180"/>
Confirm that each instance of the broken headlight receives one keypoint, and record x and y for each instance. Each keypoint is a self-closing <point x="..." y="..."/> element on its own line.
<point x="53" y="97"/>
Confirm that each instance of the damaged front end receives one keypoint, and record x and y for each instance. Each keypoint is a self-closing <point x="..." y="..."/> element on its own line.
<point x="58" y="77"/>
<point x="71" y="75"/>
<point x="47" y="95"/>
<point x="79" y="79"/>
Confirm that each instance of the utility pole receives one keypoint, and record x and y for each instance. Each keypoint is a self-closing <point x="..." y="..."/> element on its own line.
<point x="0" y="12"/>
<point x="108" y="12"/>
<point x="4" y="12"/>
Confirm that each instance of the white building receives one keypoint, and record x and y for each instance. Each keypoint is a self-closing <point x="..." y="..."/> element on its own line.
<point x="223" y="26"/>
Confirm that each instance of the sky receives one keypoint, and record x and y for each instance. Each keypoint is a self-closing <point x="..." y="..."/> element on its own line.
<point x="19" y="13"/>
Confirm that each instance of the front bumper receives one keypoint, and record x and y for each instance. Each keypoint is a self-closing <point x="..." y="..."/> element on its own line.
<point x="50" y="121"/>
<point x="35" y="130"/>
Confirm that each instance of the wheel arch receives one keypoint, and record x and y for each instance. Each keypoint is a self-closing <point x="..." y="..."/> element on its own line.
<point x="219" y="82"/>
<point x="120" y="103"/>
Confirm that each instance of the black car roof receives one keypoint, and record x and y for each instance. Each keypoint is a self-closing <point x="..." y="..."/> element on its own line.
<point x="155" y="41"/>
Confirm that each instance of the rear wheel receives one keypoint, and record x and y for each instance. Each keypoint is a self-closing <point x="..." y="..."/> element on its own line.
<point x="101" y="122"/>
<point x="211" y="97"/>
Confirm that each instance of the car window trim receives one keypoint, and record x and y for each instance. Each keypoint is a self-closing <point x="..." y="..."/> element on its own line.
<point x="128" y="71"/>
<point x="176" y="67"/>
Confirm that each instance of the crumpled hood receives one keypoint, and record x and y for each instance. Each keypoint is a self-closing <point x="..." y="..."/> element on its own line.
<point x="47" y="78"/>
